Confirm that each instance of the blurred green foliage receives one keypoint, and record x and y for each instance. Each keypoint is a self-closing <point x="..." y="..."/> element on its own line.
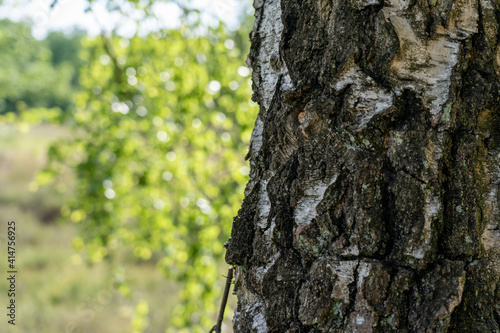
<point x="160" y="131"/>
<point x="37" y="73"/>
<point x="160" y="125"/>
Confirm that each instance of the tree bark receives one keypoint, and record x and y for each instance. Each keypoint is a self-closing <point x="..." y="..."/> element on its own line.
<point x="373" y="203"/>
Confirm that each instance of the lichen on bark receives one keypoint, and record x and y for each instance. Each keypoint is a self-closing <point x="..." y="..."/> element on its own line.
<point x="373" y="201"/>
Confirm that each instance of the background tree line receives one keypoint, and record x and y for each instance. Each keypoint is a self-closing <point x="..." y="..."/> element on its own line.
<point x="24" y="60"/>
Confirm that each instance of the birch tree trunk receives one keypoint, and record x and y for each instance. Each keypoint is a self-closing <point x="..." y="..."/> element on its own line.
<point x="373" y="201"/>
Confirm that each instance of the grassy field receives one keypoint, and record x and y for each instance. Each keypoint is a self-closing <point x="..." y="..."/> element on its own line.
<point x="56" y="290"/>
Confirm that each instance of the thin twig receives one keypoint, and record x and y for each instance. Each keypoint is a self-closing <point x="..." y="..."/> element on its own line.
<point x="223" y="303"/>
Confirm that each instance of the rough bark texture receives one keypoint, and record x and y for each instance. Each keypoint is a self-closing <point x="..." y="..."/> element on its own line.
<point x="373" y="200"/>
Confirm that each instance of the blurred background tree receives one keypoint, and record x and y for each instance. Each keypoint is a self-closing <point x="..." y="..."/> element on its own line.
<point x="150" y="162"/>
<point x="24" y="60"/>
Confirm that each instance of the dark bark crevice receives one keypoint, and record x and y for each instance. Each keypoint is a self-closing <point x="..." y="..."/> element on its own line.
<point x="353" y="291"/>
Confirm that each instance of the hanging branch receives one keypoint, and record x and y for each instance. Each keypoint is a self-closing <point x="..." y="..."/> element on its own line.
<point x="223" y="303"/>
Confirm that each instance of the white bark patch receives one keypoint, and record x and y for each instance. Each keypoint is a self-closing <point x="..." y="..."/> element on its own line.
<point x="256" y="139"/>
<point x="360" y="4"/>
<point x="286" y="83"/>
<point x="259" y="323"/>
<point x="250" y="186"/>
<point x="432" y="208"/>
<point x="264" y="205"/>
<point x="250" y="305"/>
<point x="463" y="21"/>
<point x="367" y="99"/>
<point x="363" y="272"/>
<point x="270" y="30"/>
<point x="425" y="65"/>
<point x="256" y="311"/>
<point x="362" y="318"/>
<point x="351" y="251"/>
<point x="269" y="231"/>
<point x="268" y="235"/>
<point x="305" y="210"/>
<point x="261" y="271"/>
<point x="254" y="149"/>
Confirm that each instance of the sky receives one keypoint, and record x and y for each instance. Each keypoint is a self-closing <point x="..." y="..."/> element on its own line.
<point x="68" y="14"/>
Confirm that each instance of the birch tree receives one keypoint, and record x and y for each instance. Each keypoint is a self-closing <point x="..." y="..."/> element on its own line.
<point x="372" y="204"/>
